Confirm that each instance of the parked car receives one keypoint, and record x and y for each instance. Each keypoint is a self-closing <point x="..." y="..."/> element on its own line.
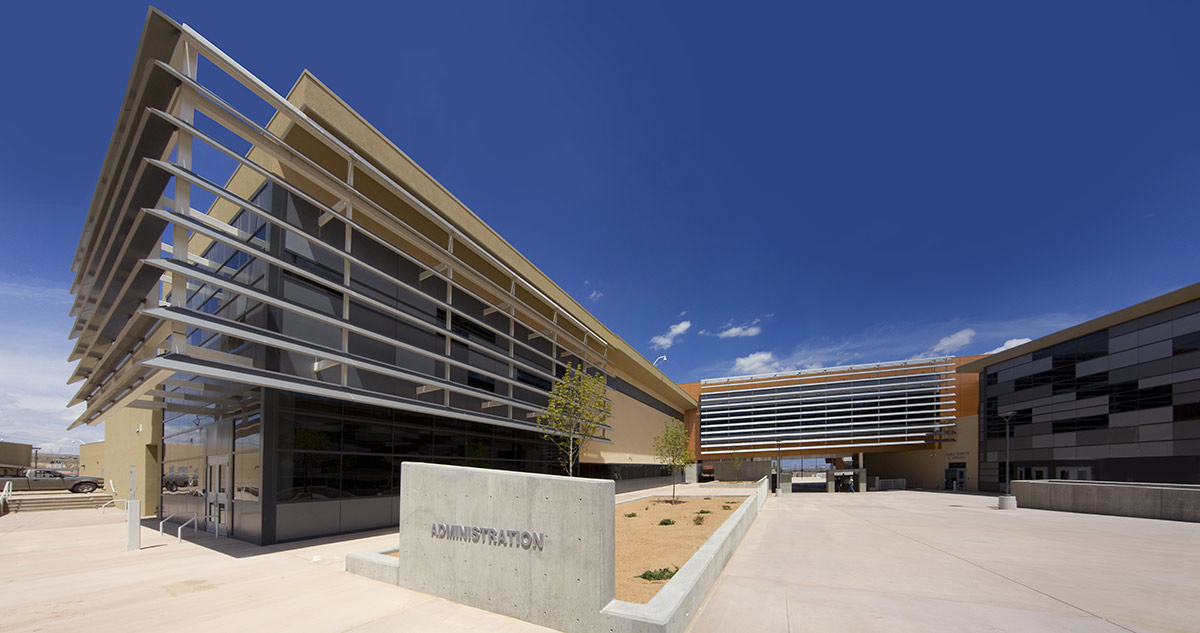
<point x="23" y="478"/>
<point x="172" y="483"/>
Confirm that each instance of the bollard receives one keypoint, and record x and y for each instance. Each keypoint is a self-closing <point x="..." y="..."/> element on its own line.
<point x="133" y="525"/>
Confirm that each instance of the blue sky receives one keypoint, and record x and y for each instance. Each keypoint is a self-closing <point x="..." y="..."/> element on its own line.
<point x="740" y="189"/>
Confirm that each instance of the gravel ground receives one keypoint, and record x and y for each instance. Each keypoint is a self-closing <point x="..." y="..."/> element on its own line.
<point x="643" y="544"/>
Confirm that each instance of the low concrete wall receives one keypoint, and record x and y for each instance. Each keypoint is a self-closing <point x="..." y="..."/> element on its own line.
<point x="671" y="609"/>
<point x="377" y="564"/>
<point x="630" y="485"/>
<point x="1176" y="502"/>
<point x="569" y="584"/>
<point x="750" y="471"/>
<point x="541" y="548"/>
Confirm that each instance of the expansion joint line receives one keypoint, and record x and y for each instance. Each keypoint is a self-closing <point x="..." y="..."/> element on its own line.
<point x="991" y="571"/>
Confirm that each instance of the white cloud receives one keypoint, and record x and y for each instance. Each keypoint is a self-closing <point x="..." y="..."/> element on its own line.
<point x="883" y="342"/>
<point x="665" y="341"/>
<point x="758" y="363"/>
<point x="739" y="331"/>
<point x="595" y="296"/>
<point x="682" y="314"/>
<point x="1009" y="344"/>
<point x="950" y="344"/>
<point x="33" y="382"/>
<point x="35" y="293"/>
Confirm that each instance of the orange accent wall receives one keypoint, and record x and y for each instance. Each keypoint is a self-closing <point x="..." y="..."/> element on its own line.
<point x="691" y="419"/>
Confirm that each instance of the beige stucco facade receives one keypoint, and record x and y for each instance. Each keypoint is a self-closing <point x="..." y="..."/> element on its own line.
<point x="91" y="460"/>
<point x="927" y="468"/>
<point x="634" y="427"/>
<point x="132" y="441"/>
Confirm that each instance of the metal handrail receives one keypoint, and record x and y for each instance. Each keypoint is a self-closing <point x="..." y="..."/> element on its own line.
<point x="179" y="532"/>
<point x="8" y="491"/>
<point x="111" y="502"/>
<point x="172" y="515"/>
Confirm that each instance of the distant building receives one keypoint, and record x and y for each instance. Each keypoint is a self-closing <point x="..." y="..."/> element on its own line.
<point x="16" y="454"/>
<point x="912" y="420"/>
<point x="1116" y="399"/>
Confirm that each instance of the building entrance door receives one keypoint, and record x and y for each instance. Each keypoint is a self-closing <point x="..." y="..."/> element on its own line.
<point x="955" y="477"/>
<point x="216" y="495"/>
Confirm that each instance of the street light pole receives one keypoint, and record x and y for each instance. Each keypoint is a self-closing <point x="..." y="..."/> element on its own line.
<point x="1007" y="502"/>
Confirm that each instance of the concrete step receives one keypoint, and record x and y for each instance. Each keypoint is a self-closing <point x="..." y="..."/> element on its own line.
<point x="56" y="500"/>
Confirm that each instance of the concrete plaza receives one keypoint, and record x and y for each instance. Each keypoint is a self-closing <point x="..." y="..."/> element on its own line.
<point x="881" y="561"/>
<point x="68" y="571"/>
<point x="926" y="561"/>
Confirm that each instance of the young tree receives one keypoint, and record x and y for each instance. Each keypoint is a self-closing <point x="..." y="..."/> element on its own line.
<point x="671" y="449"/>
<point x="576" y="409"/>
<point x="738" y="461"/>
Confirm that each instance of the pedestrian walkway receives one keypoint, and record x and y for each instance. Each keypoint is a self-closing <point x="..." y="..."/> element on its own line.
<point x="68" y="571"/>
<point x="929" y="562"/>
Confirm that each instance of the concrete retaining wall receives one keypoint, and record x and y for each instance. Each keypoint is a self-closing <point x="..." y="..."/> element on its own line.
<point x="569" y="583"/>
<point x="750" y="471"/>
<point x="671" y="609"/>
<point x="1176" y="502"/>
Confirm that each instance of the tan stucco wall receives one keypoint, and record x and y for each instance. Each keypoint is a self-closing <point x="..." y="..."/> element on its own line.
<point x="125" y="446"/>
<point x="91" y="460"/>
<point x="926" y="468"/>
<point x="634" y="426"/>
<point x="14" y="454"/>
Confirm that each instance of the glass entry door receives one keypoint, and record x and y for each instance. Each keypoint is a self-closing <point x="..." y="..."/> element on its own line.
<point x="216" y="495"/>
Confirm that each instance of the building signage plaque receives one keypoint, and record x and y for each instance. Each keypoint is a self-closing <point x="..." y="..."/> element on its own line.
<point x="523" y="539"/>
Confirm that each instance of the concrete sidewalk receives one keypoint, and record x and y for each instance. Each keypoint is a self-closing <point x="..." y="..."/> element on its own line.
<point x="927" y="561"/>
<point x="68" y="571"/>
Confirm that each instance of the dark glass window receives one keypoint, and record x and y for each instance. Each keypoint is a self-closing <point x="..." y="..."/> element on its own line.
<point x="355" y="450"/>
<point x="533" y="379"/>
<point x="309" y="433"/>
<point x="366" y="437"/>
<point x="304" y="476"/>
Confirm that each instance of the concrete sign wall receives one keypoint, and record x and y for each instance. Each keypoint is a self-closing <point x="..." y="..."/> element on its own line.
<point x="536" y="547"/>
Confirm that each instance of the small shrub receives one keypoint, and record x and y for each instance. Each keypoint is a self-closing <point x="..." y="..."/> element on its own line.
<point x="707" y="498"/>
<point x="725" y="507"/>
<point x="630" y="515"/>
<point x="698" y="519"/>
<point x="732" y="502"/>
<point x="658" y="574"/>
<point x="666" y="522"/>
<point x="647" y="507"/>
<point x="704" y="512"/>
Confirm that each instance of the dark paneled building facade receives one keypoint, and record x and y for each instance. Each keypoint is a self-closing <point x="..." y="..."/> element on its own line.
<point x="1113" y="399"/>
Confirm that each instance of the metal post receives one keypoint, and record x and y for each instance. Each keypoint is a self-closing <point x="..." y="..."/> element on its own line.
<point x="1007" y="502"/>
<point x="1007" y="456"/>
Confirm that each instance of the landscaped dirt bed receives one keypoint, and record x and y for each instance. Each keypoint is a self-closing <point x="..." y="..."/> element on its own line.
<point x="644" y="545"/>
